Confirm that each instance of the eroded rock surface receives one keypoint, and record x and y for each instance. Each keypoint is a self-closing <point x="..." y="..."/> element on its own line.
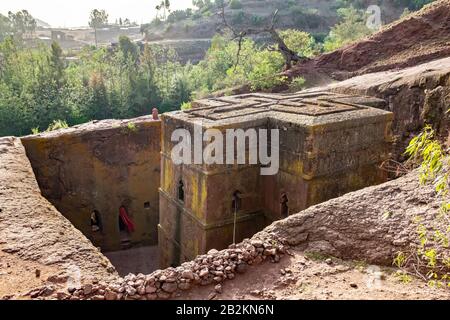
<point x="372" y="224"/>
<point x="99" y="167"/>
<point x="365" y="228"/>
<point x="36" y="241"/>
<point x="416" y="95"/>
<point x="315" y="277"/>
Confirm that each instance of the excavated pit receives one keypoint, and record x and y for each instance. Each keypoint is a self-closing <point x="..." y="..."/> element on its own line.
<point x="104" y="176"/>
<point x="84" y="178"/>
<point x="94" y="172"/>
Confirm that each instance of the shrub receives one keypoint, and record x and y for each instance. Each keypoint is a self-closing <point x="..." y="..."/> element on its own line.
<point x="238" y="17"/>
<point x="257" y="20"/>
<point x="351" y="28"/>
<point x="235" y="4"/>
<point x="431" y="259"/>
<point x="56" y="125"/>
<point x="186" y="106"/>
<point x="297" y="84"/>
<point x="305" y="18"/>
<point x="299" y="41"/>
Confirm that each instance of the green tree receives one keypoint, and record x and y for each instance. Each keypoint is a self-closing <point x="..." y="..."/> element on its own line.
<point x="431" y="258"/>
<point x="97" y="19"/>
<point x="128" y="49"/>
<point x="257" y="66"/>
<point x="22" y="23"/>
<point x="198" y="3"/>
<point x="57" y="64"/>
<point x="5" y="27"/>
<point x="180" y="92"/>
<point x="235" y="4"/>
<point x="299" y="41"/>
<point x="163" y="6"/>
<point x="351" y="28"/>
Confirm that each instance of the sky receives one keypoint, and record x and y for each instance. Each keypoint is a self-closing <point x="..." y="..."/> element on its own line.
<point x="75" y="13"/>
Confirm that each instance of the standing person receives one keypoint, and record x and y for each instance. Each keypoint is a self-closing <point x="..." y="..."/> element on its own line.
<point x="155" y="114"/>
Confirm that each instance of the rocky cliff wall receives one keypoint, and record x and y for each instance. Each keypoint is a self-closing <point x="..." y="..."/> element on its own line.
<point x="95" y="169"/>
<point x="38" y="246"/>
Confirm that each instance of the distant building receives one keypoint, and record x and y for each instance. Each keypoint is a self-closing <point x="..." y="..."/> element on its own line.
<point x="58" y="35"/>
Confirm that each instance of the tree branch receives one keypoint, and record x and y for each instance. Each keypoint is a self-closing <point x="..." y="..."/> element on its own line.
<point x="288" y="54"/>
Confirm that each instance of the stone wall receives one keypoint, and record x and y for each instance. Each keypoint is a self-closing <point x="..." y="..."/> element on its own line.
<point x="37" y="244"/>
<point x="213" y="268"/>
<point x="99" y="167"/>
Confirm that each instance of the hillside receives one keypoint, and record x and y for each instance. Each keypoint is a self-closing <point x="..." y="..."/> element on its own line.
<point x="316" y="17"/>
<point x="420" y="37"/>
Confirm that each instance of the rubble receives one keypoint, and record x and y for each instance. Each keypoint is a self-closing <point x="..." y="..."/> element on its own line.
<point x="213" y="268"/>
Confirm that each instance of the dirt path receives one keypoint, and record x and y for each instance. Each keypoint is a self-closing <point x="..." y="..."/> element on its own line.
<point x="315" y="277"/>
<point x="137" y="260"/>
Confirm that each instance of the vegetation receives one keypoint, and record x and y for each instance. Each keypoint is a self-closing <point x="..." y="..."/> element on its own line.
<point x="39" y="86"/>
<point x="5" y="27"/>
<point x="20" y="24"/>
<point x="352" y="27"/>
<point x="97" y="19"/>
<point x="258" y="66"/>
<point x="235" y="4"/>
<point x="297" y="84"/>
<point x="57" y="124"/>
<point x="412" y="4"/>
<point x="431" y="260"/>
<point x="240" y="12"/>
<point x="162" y="9"/>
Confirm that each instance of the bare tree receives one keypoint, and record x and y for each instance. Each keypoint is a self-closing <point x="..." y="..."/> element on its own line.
<point x="280" y="46"/>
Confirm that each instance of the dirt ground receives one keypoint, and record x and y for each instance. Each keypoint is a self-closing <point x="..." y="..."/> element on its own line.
<point x="137" y="260"/>
<point x="316" y="277"/>
<point x="19" y="276"/>
<point x="415" y="39"/>
<point x="35" y="236"/>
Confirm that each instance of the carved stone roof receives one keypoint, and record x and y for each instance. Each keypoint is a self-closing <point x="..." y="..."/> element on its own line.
<point x="313" y="106"/>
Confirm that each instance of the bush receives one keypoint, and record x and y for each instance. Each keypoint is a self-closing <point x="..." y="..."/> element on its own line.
<point x="412" y="4"/>
<point x="238" y="17"/>
<point x="297" y="84"/>
<point x="351" y="28"/>
<point x="299" y="41"/>
<point x="56" y="125"/>
<point x="235" y="4"/>
<point x="186" y="106"/>
<point x="431" y="259"/>
<point x="257" y="20"/>
<point x="177" y="15"/>
<point x="305" y="18"/>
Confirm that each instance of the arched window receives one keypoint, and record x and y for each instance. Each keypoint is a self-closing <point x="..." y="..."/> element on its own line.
<point x="236" y="203"/>
<point x="96" y="223"/>
<point x="284" y="205"/>
<point x="181" y="191"/>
